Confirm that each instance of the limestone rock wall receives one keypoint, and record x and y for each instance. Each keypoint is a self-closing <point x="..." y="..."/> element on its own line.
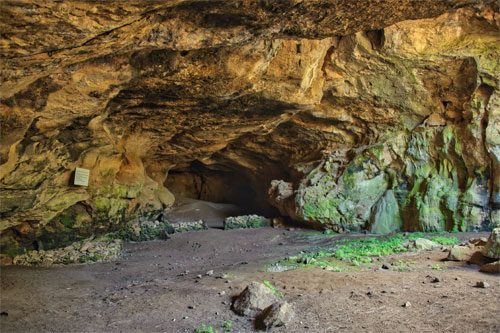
<point x="133" y="90"/>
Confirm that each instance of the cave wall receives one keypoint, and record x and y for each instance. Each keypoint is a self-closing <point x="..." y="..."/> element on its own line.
<point x="306" y="92"/>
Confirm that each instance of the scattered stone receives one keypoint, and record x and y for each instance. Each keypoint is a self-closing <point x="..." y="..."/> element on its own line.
<point x="492" y="267"/>
<point x="5" y="260"/>
<point x="406" y="305"/>
<point x="4" y="314"/>
<point x="222" y="293"/>
<point x="198" y="276"/>
<point x="253" y="299"/>
<point x="190" y="307"/>
<point x="433" y="279"/>
<point x="246" y="221"/>
<point x="183" y="273"/>
<point x="210" y="272"/>
<point x="482" y="284"/>
<point x="479" y="241"/>
<point x="385" y="266"/>
<point x="89" y="250"/>
<point x="189" y="226"/>
<point x="275" y="315"/>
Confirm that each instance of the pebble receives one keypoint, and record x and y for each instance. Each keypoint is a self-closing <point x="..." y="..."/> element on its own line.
<point x="210" y="272"/>
<point x="222" y="293"/>
<point x="385" y="266"/>
<point x="407" y="305"/>
<point x="482" y="284"/>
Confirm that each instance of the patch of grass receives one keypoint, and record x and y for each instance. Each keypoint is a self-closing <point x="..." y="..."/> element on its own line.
<point x="437" y="267"/>
<point x="356" y="251"/>
<point x="444" y="240"/>
<point x="401" y="266"/>
<point x="275" y="291"/>
<point x="362" y="250"/>
<point x="205" y="329"/>
<point x="227" y="327"/>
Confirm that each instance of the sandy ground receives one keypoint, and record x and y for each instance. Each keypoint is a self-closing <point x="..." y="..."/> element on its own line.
<point x="213" y="214"/>
<point x="154" y="288"/>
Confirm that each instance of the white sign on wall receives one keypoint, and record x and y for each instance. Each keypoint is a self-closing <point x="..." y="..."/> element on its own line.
<point x="82" y="177"/>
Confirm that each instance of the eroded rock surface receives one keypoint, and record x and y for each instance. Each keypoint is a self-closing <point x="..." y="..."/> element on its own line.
<point x="384" y="120"/>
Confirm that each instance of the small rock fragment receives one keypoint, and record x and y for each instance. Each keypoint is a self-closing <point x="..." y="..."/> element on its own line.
<point x="482" y="284"/>
<point x="210" y="272"/>
<point x="406" y="305"/>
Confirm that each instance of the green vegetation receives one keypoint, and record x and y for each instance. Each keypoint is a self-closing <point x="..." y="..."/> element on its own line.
<point x="356" y="252"/>
<point x="401" y="266"/>
<point x="444" y="240"/>
<point x="437" y="267"/>
<point x="205" y="329"/>
<point x="273" y="289"/>
<point x="67" y="220"/>
<point x="227" y="327"/>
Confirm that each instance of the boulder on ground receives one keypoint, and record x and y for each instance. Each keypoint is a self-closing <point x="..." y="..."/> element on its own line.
<point x="255" y="298"/>
<point x="492" y="247"/>
<point x="479" y="259"/>
<point x="275" y="315"/>
<point x="461" y="253"/>
<point x="492" y="267"/>
<point x="425" y="244"/>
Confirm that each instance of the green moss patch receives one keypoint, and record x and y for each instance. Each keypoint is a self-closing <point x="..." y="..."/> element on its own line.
<point x="354" y="252"/>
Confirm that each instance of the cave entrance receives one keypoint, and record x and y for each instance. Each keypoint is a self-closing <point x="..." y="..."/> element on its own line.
<point x="212" y="193"/>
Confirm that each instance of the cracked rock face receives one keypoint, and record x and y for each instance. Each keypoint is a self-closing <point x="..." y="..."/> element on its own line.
<point x="379" y="115"/>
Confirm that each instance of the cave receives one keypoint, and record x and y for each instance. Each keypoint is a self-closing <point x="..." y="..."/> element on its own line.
<point x="244" y="166"/>
<point x="217" y="192"/>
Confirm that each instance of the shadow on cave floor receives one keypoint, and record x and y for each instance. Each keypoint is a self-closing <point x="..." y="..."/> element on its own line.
<point x="213" y="214"/>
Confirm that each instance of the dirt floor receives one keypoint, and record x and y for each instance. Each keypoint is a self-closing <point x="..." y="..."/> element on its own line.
<point x="154" y="288"/>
